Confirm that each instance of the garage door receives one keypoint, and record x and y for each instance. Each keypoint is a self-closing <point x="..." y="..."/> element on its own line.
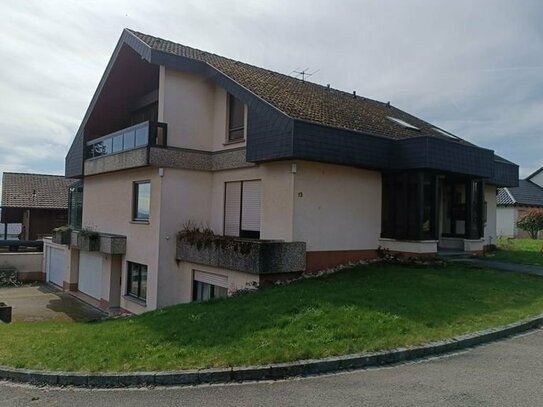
<point x="55" y="265"/>
<point x="90" y="274"/>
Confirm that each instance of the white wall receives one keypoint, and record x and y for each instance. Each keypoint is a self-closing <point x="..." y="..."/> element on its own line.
<point x="505" y="221"/>
<point x="538" y="179"/>
<point x="336" y="207"/>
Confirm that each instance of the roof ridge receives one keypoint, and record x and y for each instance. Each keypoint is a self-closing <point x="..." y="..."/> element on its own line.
<point x="33" y="173"/>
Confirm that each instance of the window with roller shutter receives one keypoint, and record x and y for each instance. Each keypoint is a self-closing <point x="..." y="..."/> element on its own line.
<point x="242" y="209"/>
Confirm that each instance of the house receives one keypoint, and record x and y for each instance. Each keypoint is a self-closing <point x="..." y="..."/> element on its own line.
<point x="38" y="202"/>
<point x="514" y="202"/>
<point x="311" y="176"/>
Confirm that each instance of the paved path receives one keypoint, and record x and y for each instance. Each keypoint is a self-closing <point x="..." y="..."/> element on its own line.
<point x="502" y="265"/>
<point x="505" y="373"/>
<point x="42" y="303"/>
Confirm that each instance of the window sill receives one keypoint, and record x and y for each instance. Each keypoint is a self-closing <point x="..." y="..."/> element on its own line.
<point x="229" y="143"/>
<point x="135" y="300"/>
<point x="139" y="222"/>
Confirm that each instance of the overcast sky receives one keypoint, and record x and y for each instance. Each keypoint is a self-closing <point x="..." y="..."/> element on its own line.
<point x="474" y="68"/>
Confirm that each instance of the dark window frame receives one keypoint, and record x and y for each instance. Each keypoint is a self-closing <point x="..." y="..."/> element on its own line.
<point x="231" y="101"/>
<point x="135" y="201"/>
<point x="213" y="291"/>
<point x="130" y="269"/>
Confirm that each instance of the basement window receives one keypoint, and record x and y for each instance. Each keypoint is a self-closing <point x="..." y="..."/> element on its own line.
<point x="402" y="123"/>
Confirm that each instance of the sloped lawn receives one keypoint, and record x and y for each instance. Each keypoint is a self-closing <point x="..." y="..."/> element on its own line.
<point x="524" y="251"/>
<point x="363" y="309"/>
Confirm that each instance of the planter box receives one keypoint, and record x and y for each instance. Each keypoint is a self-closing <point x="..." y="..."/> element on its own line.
<point x="62" y="237"/>
<point x="247" y="255"/>
<point x="103" y="242"/>
<point x="5" y="313"/>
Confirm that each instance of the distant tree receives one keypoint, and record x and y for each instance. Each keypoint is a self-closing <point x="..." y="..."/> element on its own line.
<point x="532" y="222"/>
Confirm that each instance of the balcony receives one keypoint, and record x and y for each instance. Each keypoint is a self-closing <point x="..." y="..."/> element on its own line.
<point x="246" y="255"/>
<point x="106" y="243"/>
<point x="126" y="148"/>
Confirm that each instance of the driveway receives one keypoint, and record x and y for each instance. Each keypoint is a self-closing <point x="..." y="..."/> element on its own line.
<point x="505" y="373"/>
<point x="43" y="302"/>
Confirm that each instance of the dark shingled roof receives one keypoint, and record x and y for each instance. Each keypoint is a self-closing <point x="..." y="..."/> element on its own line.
<point x="527" y="194"/>
<point x="305" y="100"/>
<point x="21" y="190"/>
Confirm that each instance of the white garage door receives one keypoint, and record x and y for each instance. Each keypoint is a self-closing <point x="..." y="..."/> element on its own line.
<point x="90" y="274"/>
<point x="55" y="266"/>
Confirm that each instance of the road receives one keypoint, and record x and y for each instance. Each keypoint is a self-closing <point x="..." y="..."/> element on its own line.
<point x="504" y="373"/>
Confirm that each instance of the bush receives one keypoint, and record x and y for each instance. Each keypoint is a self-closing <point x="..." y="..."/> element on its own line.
<point x="532" y="222"/>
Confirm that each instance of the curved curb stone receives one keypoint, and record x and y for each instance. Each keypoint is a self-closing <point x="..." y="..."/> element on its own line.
<point x="270" y="372"/>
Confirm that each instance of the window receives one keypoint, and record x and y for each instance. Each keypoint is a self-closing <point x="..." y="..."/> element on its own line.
<point x="207" y="286"/>
<point x="242" y="209"/>
<point x="75" y="205"/>
<point x="136" y="285"/>
<point x="236" y="119"/>
<point x="142" y="200"/>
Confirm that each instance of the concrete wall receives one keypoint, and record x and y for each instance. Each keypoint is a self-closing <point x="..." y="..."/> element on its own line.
<point x="28" y="265"/>
<point x="336" y="207"/>
<point x="490" y="230"/>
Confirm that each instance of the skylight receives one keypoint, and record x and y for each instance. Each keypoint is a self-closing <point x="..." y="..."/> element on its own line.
<point x="403" y="123"/>
<point x="445" y="133"/>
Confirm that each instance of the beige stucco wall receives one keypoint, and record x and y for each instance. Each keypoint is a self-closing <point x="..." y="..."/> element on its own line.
<point x="490" y="231"/>
<point x="336" y="207"/>
<point x="107" y="208"/>
<point x="195" y="109"/>
<point x="23" y="262"/>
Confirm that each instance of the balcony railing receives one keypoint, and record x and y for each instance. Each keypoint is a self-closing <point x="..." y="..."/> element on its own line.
<point x="141" y="135"/>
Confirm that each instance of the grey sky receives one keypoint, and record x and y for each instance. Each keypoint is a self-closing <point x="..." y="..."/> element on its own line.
<point x="474" y="68"/>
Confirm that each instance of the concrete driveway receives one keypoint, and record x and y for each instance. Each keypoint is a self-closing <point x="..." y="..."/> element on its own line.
<point x="43" y="303"/>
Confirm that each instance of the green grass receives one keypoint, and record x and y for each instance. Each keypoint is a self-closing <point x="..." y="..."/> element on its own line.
<point x="364" y="309"/>
<point x="524" y="251"/>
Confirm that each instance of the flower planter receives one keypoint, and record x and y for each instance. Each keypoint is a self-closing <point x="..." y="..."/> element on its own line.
<point x="5" y="312"/>
<point x="62" y="236"/>
<point x="247" y="255"/>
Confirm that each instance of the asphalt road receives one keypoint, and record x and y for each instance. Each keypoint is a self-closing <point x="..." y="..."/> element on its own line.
<point x="505" y="373"/>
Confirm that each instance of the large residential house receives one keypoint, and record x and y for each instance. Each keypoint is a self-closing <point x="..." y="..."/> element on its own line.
<point x="515" y="202"/>
<point x="307" y="176"/>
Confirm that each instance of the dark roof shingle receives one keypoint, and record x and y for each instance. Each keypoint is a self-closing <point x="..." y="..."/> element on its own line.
<point x="527" y="193"/>
<point x="20" y="190"/>
<point x="306" y="100"/>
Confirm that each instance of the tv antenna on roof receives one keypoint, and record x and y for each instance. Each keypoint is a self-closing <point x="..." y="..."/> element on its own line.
<point x="303" y="73"/>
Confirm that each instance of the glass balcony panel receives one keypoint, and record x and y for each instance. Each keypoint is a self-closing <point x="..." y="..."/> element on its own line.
<point x="117" y="143"/>
<point x="129" y="139"/>
<point x="142" y="136"/>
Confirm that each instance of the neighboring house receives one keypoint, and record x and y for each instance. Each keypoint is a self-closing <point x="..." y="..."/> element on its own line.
<point x="38" y="202"/>
<point x="174" y="135"/>
<point x="515" y="202"/>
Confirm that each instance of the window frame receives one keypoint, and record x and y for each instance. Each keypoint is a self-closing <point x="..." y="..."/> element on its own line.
<point x="135" y="201"/>
<point x="230" y="140"/>
<point x="249" y="234"/>
<point x="130" y="268"/>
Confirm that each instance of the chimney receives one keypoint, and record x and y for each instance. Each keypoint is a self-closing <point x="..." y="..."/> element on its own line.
<point x="354" y="94"/>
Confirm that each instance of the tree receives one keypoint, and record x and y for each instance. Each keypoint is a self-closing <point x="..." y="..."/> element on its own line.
<point x="532" y="222"/>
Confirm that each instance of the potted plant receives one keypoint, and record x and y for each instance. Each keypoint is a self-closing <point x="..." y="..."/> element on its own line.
<point x="62" y="234"/>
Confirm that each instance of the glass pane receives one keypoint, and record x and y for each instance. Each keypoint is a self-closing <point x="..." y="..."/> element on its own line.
<point x="143" y="281"/>
<point x="117" y="143"/>
<point x="108" y="144"/>
<point x="143" y="200"/>
<point x="236" y="134"/>
<point x="99" y="149"/>
<point x="133" y="278"/>
<point x="236" y="114"/>
<point x="141" y="136"/>
<point x="219" y="292"/>
<point x="128" y="142"/>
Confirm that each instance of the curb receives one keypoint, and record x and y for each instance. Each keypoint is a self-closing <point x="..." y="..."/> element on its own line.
<point x="274" y="371"/>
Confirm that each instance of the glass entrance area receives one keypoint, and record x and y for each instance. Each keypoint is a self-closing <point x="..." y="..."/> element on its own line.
<point x="421" y="205"/>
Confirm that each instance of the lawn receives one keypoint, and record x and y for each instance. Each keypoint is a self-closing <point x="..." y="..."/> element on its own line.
<point x="364" y="309"/>
<point x="525" y="251"/>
